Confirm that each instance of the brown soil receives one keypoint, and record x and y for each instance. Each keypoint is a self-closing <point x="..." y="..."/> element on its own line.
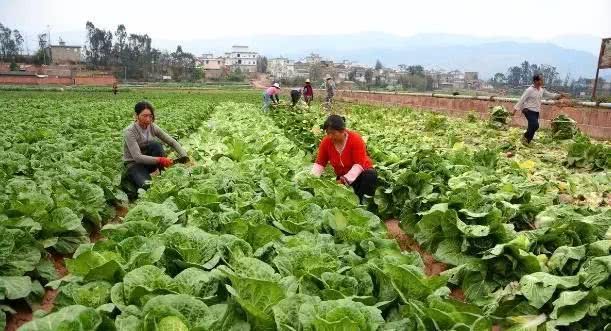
<point x="120" y="212"/>
<point x="458" y="294"/>
<point x="23" y="315"/>
<point x="431" y="267"/>
<point x="23" y="311"/>
<point x="260" y="82"/>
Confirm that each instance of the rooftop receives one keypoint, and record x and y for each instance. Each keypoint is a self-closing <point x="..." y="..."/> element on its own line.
<point x="64" y="46"/>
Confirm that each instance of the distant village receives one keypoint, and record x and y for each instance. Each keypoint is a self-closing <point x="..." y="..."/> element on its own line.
<point x="345" y="73"/>
<point x="67" y="66"/>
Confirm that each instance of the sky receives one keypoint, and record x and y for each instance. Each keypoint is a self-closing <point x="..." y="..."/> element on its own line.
<point x="185" y="20"/>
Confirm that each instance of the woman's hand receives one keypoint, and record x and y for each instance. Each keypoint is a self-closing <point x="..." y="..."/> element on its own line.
<point x="342" y="180"/>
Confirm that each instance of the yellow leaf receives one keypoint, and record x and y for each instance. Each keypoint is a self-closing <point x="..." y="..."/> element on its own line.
<point x="459" y="145"/>
<point x="528" y="164"/>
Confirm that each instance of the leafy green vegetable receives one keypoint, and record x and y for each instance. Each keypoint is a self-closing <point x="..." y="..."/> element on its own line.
<point x="498" y="117"/>
<point x="563" y="127"/>
<point x="246" y="239"/>
<point x="78" y="318"/>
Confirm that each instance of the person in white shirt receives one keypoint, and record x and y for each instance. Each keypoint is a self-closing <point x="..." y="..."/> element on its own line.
<point x="530" y="106"/>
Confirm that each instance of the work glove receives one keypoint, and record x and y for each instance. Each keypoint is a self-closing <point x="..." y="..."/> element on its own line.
<point x="164" y="161"/>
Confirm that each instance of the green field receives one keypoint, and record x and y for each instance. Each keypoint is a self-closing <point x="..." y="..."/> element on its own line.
<point x="244" y="238"/>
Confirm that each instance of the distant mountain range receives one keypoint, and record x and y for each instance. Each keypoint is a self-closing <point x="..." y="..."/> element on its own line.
<point x="573" y="55"/>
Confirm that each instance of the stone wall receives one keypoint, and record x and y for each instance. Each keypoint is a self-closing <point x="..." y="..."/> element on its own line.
<point x="34" y="80"/>
<point x="593" y="120"/>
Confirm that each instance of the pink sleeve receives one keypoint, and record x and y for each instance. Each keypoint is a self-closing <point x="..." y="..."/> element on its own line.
<point x="354" y="172"/>
<point x="317" y="169"/>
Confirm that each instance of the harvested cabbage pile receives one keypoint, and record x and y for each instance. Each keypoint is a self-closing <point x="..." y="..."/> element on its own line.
<point x="498" y="117"/>
<point x="563" y="127"/>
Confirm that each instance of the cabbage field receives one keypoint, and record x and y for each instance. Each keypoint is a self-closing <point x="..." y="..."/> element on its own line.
<point x="244" y="238"/>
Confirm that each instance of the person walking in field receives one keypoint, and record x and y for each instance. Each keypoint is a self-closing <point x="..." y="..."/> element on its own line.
<point x="308" y="92"/>
<point x="115" y="88"/>
<point x="346" y="151"/>
<point x="143" y="153"/>
<point x="330" y="87"/>
<point x="530" y="105"/>
<point x="269" y="95"/>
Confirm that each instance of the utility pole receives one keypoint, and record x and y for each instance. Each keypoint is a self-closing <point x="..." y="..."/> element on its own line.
<point x="603" y="63"/>
<point x="27" y="49"/>
<point x="44" y="55"/>
<point x="48" y="45"/>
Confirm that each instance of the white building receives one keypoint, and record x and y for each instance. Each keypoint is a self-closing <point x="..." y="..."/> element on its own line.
<point x="209" y="61"/>
<point x="313" y="58"/>
<point x="241" y="57"/>
<point x="302" y="70"/>
<point x="359" y="73"/>
<point x="281" y="67"/>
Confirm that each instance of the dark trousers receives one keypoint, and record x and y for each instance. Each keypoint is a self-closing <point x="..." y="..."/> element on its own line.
<point x="365" y="184"/>
<point x="533" y="123"/>
<point x="139" y="174"/>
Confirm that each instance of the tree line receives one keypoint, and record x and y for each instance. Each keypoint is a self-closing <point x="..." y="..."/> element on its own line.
<point x="128" y="55"/>
<point x="11" y="45"/>
<point x="132" y="56"/>
<point x="520" y="76"/>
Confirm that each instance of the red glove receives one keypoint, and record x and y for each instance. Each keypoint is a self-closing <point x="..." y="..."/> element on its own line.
<point x="164" y="161"/>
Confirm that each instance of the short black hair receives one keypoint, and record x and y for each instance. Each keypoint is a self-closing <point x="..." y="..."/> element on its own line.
<point x="537" y="77"/>
<point x="142" y="105"/>
<point x="335" y="122"/>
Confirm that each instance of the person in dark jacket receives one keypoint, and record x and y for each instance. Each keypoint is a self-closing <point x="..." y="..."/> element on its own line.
<point x="295" y="96"/>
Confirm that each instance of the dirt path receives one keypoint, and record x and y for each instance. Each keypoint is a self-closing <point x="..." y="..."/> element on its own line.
<point x="260" y="82"/>
<point x="24" y="312"/>
<point x="431" y="267"/>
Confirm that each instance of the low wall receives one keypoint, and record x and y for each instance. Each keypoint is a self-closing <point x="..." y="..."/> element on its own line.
<point x="96" y="80"/>
<point x="34" y="80"/>
<point x="593" y="120"/>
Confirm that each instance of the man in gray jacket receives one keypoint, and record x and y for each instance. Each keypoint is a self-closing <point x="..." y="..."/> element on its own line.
<point x="143" y="154"/>
<point x="530" y="106"/>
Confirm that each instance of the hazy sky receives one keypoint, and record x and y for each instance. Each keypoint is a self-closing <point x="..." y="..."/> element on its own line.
<point x="182" y="20"/>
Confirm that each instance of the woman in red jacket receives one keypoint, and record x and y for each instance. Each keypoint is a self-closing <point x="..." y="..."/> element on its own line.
<point x="347" y="153"/>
